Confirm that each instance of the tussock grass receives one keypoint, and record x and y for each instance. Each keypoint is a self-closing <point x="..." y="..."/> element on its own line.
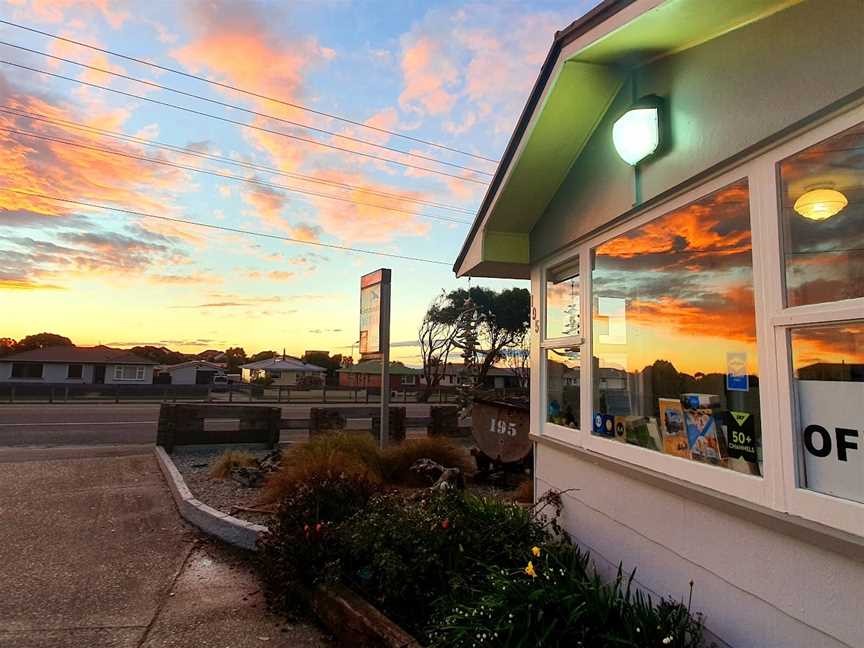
<point x="231" y="459"/>
<point x="396" y="461"/>
<point x="357" y="455"/>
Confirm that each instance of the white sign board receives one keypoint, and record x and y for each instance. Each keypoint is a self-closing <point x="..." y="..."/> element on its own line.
<point x="370" y="311"/>
<point x="832" y="434"/>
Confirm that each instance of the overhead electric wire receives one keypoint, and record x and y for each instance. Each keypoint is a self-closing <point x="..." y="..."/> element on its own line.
<point x="226" y="176"/>
<point x="224" y="160"/>
<point x="249" y="111"/>
<point x="234" y="230"/>
<point x="239" y="123"/>
<point x="251" y="93"/>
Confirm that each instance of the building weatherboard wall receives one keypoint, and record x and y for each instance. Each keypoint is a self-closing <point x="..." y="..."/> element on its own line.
<point x="77" y="365"/>
<point x="698" y="328"/>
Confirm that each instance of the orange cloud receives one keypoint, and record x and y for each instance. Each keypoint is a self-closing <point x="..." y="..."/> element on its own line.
<point x="41" y="166"/>
<point x="56" y="11"/>
<point x="729" y="315"/>
<point x="427" y="72"/>
<point x="239" y="44"/>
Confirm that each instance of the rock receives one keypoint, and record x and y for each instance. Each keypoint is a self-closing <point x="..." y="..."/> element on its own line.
<point x="248" y="477"/>
<point x="450" y="479"/>
<point x="271" y="462"/>
<point x="428" y="469"/>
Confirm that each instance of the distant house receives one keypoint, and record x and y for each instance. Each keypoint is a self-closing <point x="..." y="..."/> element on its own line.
<point x="496" y="377"/>
<point x="77" y="365"/>
<point x="284" y="370"/>
<point x="368" y="374"/>
<point x="194" y="372"/>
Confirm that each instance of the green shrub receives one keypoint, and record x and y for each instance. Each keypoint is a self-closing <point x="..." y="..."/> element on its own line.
<point x="555" y="600"/>
<point x="404" y="554"/>
<point x="302" y="535"/>
<point x="228" y="461"/>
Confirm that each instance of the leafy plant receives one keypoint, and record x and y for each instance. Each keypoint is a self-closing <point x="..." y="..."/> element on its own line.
<point x="304" y="531"/>
<point x="228" y="461"/>
<point x="406" y="553"/>
<point x="557" y="599"/>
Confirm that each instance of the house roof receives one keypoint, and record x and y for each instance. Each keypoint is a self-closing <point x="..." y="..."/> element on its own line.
<point x="76" y="355"/>
<point x="454" y="368"/>
<point x="584" y="70"/>
<point x="284" y="364"/>
<point x="374" y="367"/>
<point x="194" y="363"/>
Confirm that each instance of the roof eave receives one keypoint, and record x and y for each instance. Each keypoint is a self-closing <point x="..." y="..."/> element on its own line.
<point x="574" y="30"/>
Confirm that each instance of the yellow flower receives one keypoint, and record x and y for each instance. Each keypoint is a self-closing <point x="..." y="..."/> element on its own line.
<point x="529" y="569"/>
<point x="535" y="551"/>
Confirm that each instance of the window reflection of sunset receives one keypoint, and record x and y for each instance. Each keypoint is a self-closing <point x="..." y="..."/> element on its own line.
<point x="686" y="278"/>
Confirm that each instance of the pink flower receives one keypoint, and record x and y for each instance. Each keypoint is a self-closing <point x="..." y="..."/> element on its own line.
<point x="445" y="523"/>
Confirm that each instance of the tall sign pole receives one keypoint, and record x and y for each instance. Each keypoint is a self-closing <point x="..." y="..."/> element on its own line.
<point x="375" y="335"/>
<point x="385" y="362"/>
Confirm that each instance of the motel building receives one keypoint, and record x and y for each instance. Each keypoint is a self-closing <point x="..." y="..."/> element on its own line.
<point x="685" y="192"/>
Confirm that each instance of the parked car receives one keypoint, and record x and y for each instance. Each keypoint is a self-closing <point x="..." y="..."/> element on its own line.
<point x="220" y="383"/>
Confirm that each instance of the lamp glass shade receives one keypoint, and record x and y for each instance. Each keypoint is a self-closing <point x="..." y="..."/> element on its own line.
<point x="636" y="134"/>
<point x="820" y="204"/>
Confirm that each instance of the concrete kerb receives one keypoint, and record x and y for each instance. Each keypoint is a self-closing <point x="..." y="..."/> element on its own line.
<point x="346" y="614"/>
<point x="228" y="528"/>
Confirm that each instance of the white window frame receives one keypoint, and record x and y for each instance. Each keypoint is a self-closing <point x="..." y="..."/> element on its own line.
<point x="119" y="371"/>
<point x="843" y="514"/>
<point x="778" y="488"/>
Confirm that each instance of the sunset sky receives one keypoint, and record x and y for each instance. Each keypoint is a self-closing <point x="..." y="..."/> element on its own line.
<point x="448" y="72"/>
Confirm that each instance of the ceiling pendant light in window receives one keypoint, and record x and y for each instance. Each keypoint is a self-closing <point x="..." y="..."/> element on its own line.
<point x="820" y="204"/>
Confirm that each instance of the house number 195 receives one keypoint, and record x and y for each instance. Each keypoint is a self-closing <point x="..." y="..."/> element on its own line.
<point x="503" y="428"/>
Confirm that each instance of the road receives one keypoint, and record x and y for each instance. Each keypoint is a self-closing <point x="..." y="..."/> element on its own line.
<point x="103" y="424"/>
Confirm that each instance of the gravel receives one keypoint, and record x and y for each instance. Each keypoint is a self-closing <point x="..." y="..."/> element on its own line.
<point x="222" y="494"/>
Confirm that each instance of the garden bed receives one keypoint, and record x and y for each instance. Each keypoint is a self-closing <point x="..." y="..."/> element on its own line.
<point x="196" y="465"/>
<point x="226" y="495"/>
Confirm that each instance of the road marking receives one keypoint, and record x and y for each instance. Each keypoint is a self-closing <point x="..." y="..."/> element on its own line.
<point x="2" y="425"/>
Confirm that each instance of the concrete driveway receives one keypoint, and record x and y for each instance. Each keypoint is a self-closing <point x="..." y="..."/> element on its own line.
<point x="93" y="553"/>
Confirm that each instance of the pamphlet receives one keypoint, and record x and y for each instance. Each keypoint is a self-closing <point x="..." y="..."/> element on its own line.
<point x="742" y="441"/>
<point x="702" y="435"/>
<point x="604" y="425"/>
<point x="641" y="431"/>
<point x="672" y="428"/>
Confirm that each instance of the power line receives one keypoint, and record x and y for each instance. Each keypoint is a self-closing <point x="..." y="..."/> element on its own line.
<point x="250" y="93"/>
<point x="234" y="230"/>
<point x="222" y="159"/>
<point x="249" y="111"/>
<point x="218" y="174"/>
<point x="240" y="123"/>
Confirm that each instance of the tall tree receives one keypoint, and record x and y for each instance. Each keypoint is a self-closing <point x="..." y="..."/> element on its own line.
<point x="436" y="334"/>
<point x="7" y="346"/>
<point x="235" y="356"/>
<point x="262" y="355"/>
<point x="325" y="360"/>
<point x="498" y="319"/>
<point x="40" y="341"/>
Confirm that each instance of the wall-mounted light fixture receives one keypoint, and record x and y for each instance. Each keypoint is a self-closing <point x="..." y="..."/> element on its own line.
<point x="820" y="204"/>
<point x="638" y="133"/>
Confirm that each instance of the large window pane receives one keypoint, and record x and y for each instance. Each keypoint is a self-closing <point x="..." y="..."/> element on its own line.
<point x="829" y="380"/>
<point x="822" y="212"/>
<point x="562" y="300"/>
<point x="675" y="367"/>
<point x="562" y="386"/>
